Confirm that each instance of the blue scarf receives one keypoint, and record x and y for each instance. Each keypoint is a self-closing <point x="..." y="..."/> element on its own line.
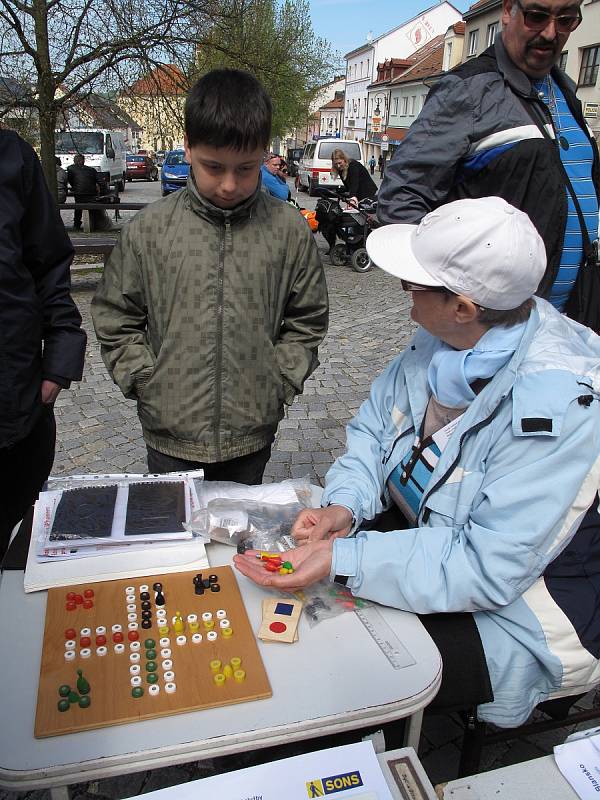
<point x="451" y="371"/>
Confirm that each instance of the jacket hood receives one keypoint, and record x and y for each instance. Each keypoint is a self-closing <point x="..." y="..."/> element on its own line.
<point x="218" y="216"/>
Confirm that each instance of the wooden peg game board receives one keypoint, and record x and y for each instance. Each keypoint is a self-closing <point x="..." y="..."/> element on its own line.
<point x="188" y="666"/>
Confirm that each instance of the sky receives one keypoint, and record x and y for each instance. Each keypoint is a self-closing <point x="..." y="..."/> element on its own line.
<point x="346" y="23"/>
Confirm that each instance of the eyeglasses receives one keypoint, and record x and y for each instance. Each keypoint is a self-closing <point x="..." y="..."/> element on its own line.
<point x="418" y="287"/>
<point x="538" y="20"/>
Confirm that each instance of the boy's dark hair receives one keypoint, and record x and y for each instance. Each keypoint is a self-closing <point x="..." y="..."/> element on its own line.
<point x="228" y="108"/>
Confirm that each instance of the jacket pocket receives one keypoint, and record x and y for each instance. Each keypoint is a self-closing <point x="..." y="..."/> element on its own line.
<point x="456" y="499"/>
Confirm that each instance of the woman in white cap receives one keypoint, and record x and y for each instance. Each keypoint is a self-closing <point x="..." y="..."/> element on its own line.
<point x="468" y="493"/>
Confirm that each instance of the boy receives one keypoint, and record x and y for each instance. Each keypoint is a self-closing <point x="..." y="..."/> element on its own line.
<point x="213" y="304"/>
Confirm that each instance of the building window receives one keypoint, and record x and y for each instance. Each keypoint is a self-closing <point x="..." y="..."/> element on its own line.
<point x="562" y="61"/>
<point x="361" y="69"/>
<point x="473" y="38"/>
<point x="492" y="32"/>
<point x="590" y="59"/>
<point x="405" y="106"/>
<point x="368" y="65"/>
<point x="395" y="105"/>
<point x="413" y="105"/>
<point x="447" y="56"/>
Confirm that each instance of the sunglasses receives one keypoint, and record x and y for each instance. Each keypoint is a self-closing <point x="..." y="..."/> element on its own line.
<point x="418" y="287"/>
<point x="537" y="20"/>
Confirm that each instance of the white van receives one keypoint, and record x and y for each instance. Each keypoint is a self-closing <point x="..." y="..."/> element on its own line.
<point x="103" y="150"/>
<point x="315" y="164"/>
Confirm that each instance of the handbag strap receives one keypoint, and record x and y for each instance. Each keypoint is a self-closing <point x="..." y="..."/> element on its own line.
<point x="589" y="250"/>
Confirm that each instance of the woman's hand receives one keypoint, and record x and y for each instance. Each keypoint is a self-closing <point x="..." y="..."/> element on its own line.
<point x="311" y="563"/>
<point x="314" y="524"/>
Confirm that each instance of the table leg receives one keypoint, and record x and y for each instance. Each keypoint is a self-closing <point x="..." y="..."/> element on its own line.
<point x="59" y="793"/>
<point x="412" y="730"/>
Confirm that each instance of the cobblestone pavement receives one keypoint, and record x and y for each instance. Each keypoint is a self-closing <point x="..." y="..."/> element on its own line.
<point x="98" y="430"/>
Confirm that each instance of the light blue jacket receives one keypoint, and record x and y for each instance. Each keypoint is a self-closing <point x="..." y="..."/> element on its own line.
<point x="505" y="499"/>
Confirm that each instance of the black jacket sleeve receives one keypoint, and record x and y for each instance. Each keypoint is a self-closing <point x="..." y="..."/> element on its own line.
<point x="47" y="254"/>
<point x="358" y="182"/>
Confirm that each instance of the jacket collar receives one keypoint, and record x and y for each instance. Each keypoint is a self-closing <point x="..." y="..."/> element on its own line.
<point x="219" y="216"/>
<point x="518" y="80"/>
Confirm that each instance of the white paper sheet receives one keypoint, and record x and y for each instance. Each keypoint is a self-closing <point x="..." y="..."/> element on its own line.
<point x="579" y="762"/>
<point x="351" y="772"/>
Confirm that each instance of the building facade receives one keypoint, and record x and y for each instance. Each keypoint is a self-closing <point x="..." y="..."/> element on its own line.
<point x="156" y="103"/>
<point x="398" y="43"/>
<point x="331" y="116"/>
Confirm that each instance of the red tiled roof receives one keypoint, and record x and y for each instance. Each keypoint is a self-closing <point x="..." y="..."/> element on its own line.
<point x="427" y="61"/>
<point x="166" y="79"/>
<point x="479" y="4"/>
<point x="338" y="102"/>
<point x="459" y="27"/>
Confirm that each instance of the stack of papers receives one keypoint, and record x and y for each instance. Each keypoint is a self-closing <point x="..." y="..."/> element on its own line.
<point x="89" y="528"/>
<point x="579" y="762"/>
<point x="89" y="514"/>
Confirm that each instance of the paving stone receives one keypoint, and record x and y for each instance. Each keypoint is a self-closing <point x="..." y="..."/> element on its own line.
<point x="441" y="729"/>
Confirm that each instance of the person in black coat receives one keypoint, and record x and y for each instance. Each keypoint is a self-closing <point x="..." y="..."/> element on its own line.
<point x="85" y="185"/>
<point x="355" y="177"/>
<point x="42" y="345"/>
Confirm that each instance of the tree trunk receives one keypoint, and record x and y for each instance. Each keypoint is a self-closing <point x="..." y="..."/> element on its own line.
<point x="46" y="90"/>
<point x="47" y="146"/>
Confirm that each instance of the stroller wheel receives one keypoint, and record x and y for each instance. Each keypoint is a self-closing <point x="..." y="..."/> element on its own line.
<point x="337" y="255"/>
<point x="361" y="261"/>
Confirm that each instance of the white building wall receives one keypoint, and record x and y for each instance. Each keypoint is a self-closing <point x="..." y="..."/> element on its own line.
<point x="402" y="41"/>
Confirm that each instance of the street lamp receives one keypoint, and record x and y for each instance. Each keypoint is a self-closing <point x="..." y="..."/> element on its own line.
<point x="377" y="111"/>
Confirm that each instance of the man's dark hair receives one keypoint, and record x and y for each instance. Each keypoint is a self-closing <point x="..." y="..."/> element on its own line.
<point x="228" y="108"/>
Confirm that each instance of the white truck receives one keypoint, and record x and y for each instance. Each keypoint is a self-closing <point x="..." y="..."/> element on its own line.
<point x="104" y="150"/>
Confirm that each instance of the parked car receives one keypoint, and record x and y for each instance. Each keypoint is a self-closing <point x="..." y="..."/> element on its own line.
<point x="315" y="165"/>
<point x="175" y="171"/>
<point x="141" y="167"/>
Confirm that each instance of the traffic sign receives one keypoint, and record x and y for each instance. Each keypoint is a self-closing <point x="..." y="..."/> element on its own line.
<point x="385" y="137"/>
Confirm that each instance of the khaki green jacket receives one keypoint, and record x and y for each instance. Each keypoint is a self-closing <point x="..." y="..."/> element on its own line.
<point x="212" y="319"/>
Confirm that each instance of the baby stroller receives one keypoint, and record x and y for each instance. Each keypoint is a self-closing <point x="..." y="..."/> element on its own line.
<point x="352" y="226"/>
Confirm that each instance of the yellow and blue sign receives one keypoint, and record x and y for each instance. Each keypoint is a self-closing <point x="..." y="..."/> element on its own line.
<point x="321" y="787"/>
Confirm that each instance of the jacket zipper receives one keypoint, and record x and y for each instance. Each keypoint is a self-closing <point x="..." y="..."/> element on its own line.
<point x="225" y="233"/>
<point x="424" y="513"/>
<point x="387" y="457"/>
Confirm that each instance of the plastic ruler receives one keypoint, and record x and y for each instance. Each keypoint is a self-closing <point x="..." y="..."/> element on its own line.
<point x="384" y="637"/>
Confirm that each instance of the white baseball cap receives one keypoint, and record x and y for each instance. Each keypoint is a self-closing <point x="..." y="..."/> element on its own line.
<point x="484" y="249"/>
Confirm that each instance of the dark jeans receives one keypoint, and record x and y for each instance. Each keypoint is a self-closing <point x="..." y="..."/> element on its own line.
<point x="77" y="214"/>
<point x="245" y="469"/>
<point x="24" y="467"/>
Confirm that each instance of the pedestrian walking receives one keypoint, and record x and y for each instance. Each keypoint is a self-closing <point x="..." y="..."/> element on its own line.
<point x="372" y="164"/>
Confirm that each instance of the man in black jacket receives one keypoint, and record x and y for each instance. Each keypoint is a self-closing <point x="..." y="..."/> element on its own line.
<point x="85" y="184"/>
<point x="507" y="123"/>
<point x="42" y="345"/>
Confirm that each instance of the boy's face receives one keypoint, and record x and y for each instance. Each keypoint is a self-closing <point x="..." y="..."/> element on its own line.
<point x="226" y="177"/>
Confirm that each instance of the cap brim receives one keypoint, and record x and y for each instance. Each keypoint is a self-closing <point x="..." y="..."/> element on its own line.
<point x="390" y="248"/>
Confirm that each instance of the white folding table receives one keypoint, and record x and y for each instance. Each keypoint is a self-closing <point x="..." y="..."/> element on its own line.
<point x="334" y="679"/>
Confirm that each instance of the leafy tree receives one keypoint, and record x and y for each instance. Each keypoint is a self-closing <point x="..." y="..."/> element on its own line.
<point x="60" y="50"/>
<point x="276" y="42"/>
